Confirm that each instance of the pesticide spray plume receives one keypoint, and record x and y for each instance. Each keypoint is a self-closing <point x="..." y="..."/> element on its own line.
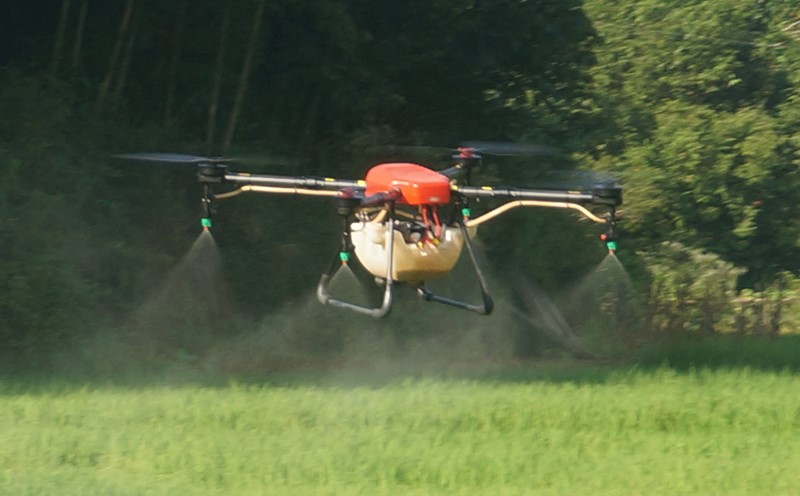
<point x="336" y="345"/>
<point x="350" y="287"/>
<point x="605" y="306"/>
<point x="541" y="313"/>
<point x="190" y="309"/>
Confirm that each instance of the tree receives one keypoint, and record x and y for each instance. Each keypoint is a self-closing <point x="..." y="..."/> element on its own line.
<point x="219" y="71"/>
<point x="114" y="60"/>
<point x="689" y="100"/>
<point x="244" y="76"/>
<point x="59" y="39"/>
<point x="172" y="78"/>
<point x="79" y="31"/>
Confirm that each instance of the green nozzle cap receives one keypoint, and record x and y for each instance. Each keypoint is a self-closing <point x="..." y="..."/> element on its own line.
<point x="466" y="212"/>
<point x="612" y="246"/>
<point x="205" y="222"/>
<point x="344" y="256"/>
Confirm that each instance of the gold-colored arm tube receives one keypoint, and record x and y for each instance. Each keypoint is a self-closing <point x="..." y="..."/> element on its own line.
<point x="533" y="203"/>
<point x="276" y="190"/>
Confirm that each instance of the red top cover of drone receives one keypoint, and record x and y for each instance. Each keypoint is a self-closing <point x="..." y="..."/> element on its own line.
<point x="418" y="185"/>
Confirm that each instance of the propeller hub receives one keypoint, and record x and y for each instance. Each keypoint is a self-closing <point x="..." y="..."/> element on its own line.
<point x="211" y="172"/>
<point x="466" y="152"/>
<point x="607" y="193"/>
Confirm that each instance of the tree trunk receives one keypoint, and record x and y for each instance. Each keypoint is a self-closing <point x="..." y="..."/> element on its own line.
<point x="311" y="121"/>
<point x="105" y="86"/>
<point x="58" y="46"/>
<point x="177" y="47"/>
<point x="127" y="54"/>
<point x="219" y="70"/>
<point x="78" y="45"/>
<point x="244" y="76"/>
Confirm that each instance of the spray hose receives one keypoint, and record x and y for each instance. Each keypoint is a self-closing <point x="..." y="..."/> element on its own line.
<point x="533" y="203"/>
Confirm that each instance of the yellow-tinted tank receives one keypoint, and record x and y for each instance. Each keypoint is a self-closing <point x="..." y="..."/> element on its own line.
<point x="412" y="262"/>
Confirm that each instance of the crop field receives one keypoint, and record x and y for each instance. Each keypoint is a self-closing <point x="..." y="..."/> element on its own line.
<point x="520" y="430"/>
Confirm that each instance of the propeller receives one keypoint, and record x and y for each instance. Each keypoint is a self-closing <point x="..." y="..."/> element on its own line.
<point x="510" y="149"/>
<point x="576" y="179"/>
<point x="173" y="158"/>
<point x="495" y="148"/>
<point x="250" y="160"/>
<point x="210" y="170"/>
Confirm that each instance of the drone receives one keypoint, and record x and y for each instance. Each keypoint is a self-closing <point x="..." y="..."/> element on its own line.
<point x="404" y="223"/>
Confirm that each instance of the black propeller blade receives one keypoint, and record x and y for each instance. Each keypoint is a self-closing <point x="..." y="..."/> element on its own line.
<point x="251" y="160"/>
<point x="576" y="179"/>
<point x="509" y="149"/>
<point x="172" y="158"/>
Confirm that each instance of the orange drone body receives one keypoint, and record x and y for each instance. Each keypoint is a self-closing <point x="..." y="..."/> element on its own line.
<point x="417" y="184"/>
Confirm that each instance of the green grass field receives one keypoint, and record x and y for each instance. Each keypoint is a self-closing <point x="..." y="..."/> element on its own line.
<point x="522" y="430"/>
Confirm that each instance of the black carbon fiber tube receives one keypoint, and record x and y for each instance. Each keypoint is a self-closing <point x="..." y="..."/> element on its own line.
<point x="311" y="182"/>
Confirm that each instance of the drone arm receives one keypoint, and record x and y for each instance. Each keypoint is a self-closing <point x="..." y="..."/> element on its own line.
<point x="294" y="182"/>
<point x="307" y="186"/>
<point x="382" y="198"/>
<point x="608" y="195"/>
<point x="524" y="194"/>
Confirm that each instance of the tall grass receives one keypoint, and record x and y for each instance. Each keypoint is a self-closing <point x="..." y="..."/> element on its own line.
<point x="618" y="432"/>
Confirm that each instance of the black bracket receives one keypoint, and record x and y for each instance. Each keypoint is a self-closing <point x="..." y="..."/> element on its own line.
<point x="487" y="305"/>
<point x="610" y="236"/>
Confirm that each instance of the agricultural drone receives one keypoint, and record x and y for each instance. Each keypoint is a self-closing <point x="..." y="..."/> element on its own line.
<point x="404" y="222"/>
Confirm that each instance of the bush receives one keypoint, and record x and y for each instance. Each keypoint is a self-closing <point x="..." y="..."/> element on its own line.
<point x="690" y="291"/>
<point x="771" y="311"/>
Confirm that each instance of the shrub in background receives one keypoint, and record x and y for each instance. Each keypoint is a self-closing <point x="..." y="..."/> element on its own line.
<point x="690" y="291"/>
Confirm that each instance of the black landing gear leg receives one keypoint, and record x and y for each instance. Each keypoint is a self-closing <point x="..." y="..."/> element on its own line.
<point x="488" y="303"/>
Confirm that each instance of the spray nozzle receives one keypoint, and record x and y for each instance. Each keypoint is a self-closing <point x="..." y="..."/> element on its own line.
<point x="344" y="257"/>
<point x="208" y="210"/>
<point x="610" y="241"/>
<point x="609" y="237"/>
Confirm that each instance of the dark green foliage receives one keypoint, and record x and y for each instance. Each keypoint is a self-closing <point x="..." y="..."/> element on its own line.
<point x="756" y="352"/>
<point x="692" y="101"/>
<point x="691" y="292"/>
